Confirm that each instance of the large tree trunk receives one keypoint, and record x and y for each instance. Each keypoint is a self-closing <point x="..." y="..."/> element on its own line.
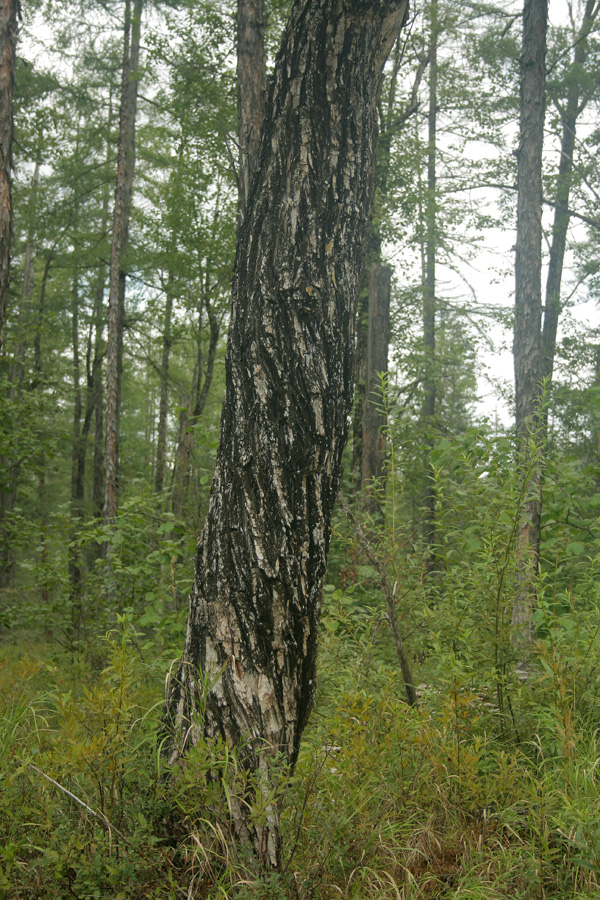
<point x="9" y="10"/>
<point x="251" y="90"/>
<point x="261" y="559"/>
<point x="116" y="297"/>
<point x="528" y="311"/>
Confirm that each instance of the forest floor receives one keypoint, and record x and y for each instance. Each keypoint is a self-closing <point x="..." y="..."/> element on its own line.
<point x="454" y="798"/>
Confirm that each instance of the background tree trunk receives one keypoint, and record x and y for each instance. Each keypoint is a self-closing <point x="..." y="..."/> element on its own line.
<point x="374" y="417"/>
<point x="251" y="90"/>
<point x="189" y="415"/>
<point x="569" y="116"/>
<point x="528" y="308"/>
<point x="9" y="10"/>
<point x="261" y="559"/>
<point x="161" y="443"/>
<point x="116" y="298"/>
<point x="429" y="298"/>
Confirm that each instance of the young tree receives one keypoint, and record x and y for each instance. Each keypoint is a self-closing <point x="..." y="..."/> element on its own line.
<point x="260" y="564"/>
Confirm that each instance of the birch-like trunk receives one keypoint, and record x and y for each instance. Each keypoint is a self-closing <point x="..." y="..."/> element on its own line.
<point x="261" y="559"/>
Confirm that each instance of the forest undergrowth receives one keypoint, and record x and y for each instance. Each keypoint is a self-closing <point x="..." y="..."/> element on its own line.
<point x="488" y="788"/>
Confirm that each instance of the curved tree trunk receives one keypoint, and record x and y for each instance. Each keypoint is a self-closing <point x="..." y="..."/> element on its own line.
<point x="260" y="563"/>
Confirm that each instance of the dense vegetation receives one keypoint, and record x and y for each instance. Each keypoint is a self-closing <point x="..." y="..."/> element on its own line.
<point x="488" y="786"/>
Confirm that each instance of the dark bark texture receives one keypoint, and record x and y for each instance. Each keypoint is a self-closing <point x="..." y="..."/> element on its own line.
<point x="260" y="564"/>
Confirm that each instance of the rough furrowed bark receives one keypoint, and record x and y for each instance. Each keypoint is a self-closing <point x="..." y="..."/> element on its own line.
<point x="528" y="314"/>
<point x="260" y="564"/>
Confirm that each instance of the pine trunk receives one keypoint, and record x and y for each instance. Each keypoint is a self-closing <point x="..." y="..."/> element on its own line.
<point x="9" y="11"/>
<point x="189" y="415"/>
<point x="77" y="469"/>
<point x="261" y="559"/>
<point x="573" y="109"/>
<point x="528" y="311"/>
<point x="251" y="90"/>
<point x="429" y="299"/>
<point x="161" y="443"/>
<point x="374" y="417"/>
<point x="116" y="296"/>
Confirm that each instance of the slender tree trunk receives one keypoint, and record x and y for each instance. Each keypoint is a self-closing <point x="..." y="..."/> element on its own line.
<point x="251" y="91"/>
<point x="389" y="127"/>
<point x="41" y="465"/>
<point x="97" y="397"/>
<point x="77" y="487"/>
<point x="123" y="193"/>
<point x="9" y="12"/>
<point x="161" y="444"/>
<point x="360" y="369"/>
<point x="261" y="560"/>
<point x="96" y="387"/>
<point x="11" y="464"/>
<point x="429" y="299"/>
<point x="132" y="94"/>
<point x="374" y="417"/>
<point x="569" y="116"/>
<point x="528" y="310"/>
<point x="190" y="415"/>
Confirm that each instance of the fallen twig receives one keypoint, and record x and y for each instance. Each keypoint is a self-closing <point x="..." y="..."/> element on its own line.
<point x="100" y="816"/>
